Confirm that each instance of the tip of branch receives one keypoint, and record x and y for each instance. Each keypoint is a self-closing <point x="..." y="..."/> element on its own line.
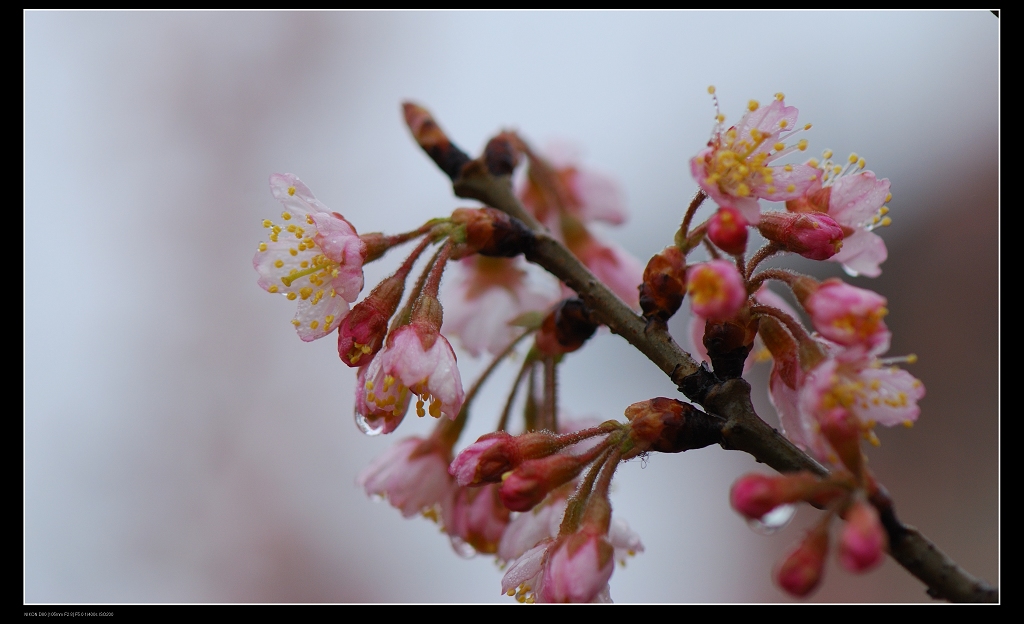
<point x="433" y="140"/>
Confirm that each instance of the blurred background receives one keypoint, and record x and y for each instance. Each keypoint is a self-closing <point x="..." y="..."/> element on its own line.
<point x="181" y="444"/>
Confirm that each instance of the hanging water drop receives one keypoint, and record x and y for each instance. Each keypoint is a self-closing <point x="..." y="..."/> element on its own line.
<point x="773" y="521"/>
<point x="370" y="427"/>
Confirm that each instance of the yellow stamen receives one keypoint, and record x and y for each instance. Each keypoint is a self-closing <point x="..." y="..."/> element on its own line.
<point x="286" y="215"/>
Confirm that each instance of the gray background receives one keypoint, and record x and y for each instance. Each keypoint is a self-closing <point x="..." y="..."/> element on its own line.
<point x="181" y="444"/>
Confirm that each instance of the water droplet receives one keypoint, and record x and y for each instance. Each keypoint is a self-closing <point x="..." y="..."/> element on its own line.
<point x="773" y="521"/>
<point x="370" y="427"/>
<point x="462" y="548"/>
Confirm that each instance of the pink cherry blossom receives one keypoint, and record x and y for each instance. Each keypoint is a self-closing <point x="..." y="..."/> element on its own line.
<point x="584" y="194"/>
<point x="855" y="204"/>
<point x="716" y="289"/>
<point x="412" y="475"/>
<point x="860" y="383"/>
<point x="734" y="169"/>
<point x="849" y="315"/>
<point x="476" y="517"/>
<point x="426" y="368"/>
<point x="614" y="266"/>
<point x="487" y="294"/>
<point x="315" y="257"/>
<point x="577" y="569"/>
<point x="381" y="400"/>
<point x="530" y="528"/>
<point x="855" y="199"/>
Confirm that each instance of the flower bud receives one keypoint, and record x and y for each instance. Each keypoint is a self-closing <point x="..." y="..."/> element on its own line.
<point x="729" y="342"/>
<point x="800" y="572"/>
<point x="533" y="479"/>
<point x="664" y="285"/>
<point x="491" y="232"/>
<point x="813" y="235"/>
<point x="502" y="154"/>
<point x="566" y="328"/>
<point x="433" y="140"/>
<point x="863" y="543"/>
<point x="716" y="289"/>
<point x="754" y="495"/>
<point x="494" y="454"/>
<point x="727" y="229"/>
<point x="362" y="332"/>
<point x="669" y="426"/>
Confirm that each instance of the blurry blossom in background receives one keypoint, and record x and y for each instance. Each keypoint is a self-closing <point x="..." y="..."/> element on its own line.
<point x="181" y="443"/>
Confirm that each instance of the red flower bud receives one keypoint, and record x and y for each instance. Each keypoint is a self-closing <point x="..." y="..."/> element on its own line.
<point x="727" y="229"/>
<point x="532" y="480"/>
<point x="362" y="332"/>
<point x="494" y="454"/>
<point x="863" y="543"/>
<point x="800" y="572"/>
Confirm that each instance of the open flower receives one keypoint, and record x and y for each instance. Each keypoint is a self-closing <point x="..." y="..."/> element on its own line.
<point x="855" y="200"/>
<point x="413" y="476"/>
<point x="735" y="168"/>
<point x="426" y="366"/>
<point x="381" y="400"/>
<point x="487" y="294"/>
<point x="315" y="257"/>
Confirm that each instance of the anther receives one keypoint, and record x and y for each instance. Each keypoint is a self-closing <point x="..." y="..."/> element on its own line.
<point x="291" y="190"/>
<point x="286" y="215"/>
<point x="753" y="105"/>
<point x="263" y="247"/>
<point x="267" y="223"/>
<point x="802" y="145"/>
<point x="279" y="263"/>
<point x="291" y="297"/>
<point x="272" y="288"/>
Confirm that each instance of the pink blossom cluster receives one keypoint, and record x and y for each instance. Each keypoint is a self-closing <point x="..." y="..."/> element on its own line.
<point x="538" y="501"/>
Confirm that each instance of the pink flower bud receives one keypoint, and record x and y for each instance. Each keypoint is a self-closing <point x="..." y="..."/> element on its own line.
<point x="848" y="315"/>
<point x="864" y="540"/>
<point x="484" y="461"/>
<point x="532" y="480"/>
<point x="728" y="230"/>
<point x="716" y="289"/>
<point x="494" y="454"/>
<point x="800" y="572"/>
<point x="754" y="495"/>
<point x="813" y="235"/>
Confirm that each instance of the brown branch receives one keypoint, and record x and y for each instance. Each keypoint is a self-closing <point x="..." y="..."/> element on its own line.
<point x="744" y="430"/>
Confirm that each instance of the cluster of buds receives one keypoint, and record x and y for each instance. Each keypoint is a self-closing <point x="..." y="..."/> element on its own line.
<point x="863" y="540"/>
<point x="536" y="469"/>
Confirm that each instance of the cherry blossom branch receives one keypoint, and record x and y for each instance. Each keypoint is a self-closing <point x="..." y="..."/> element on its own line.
<point x="743" y="429"/>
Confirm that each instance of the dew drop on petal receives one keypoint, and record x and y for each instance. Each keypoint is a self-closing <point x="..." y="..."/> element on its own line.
<point x="462" y="548"/>
<point x="773" y="521"/>
<point x="368" y="427"/>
